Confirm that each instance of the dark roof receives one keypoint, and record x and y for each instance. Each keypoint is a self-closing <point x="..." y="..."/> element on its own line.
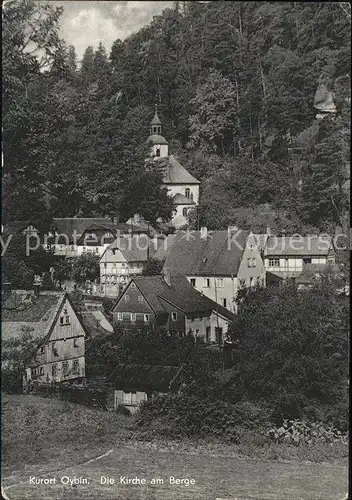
<point x="79" y="226"/>
<point x="272" y="279"/>
<point x="174" y="172"/>
<point x="153" y="377"/>
<point x="76" y="225"/>
<point x="143" y="225"/>
<point x="261" y="240"/>
<point x="157" y="139"/>
<point x="304" y="245"/>
<point x="156" y="120"/>
<point x="26" y="312"/>
<point x="181" y="199"/>
<point x="180" y="293"/>
<point x="214" y="255"/>
<point x="134" y="249"/>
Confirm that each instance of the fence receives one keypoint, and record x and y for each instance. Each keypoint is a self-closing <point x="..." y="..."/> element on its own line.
<point x="95" y="398"/>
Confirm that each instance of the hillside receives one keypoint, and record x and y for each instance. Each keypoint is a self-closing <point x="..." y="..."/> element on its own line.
<point x="46" y="438"/>
<point x="235" y="85"/>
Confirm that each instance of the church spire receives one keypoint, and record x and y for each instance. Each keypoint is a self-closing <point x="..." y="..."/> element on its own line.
<point x="155" y="124"/>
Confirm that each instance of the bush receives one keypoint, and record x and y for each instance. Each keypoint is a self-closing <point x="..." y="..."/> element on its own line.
<point x="11" y="381"/>
<point x="181" y="415"/>
<point x="304" y="432"/>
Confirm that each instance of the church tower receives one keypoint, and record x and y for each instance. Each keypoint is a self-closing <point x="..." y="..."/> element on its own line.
<point x="181" y="185"/>
<point x="159" y="145"/>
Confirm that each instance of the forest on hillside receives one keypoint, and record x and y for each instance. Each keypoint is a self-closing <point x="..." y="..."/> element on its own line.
<point x="235" y="85"/>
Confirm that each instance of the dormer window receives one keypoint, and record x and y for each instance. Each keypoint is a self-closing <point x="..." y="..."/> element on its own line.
<point x="187" y="193"/>
<point x="65" y="318"/>
<point x="157" y="152"/>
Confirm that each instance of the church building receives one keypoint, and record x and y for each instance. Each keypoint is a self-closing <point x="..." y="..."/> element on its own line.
<point x="181" y="185"/>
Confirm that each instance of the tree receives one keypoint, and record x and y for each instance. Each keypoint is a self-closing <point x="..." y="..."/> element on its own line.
<point x="31" y="44"/>
<point x="152" y="267"/>
<point x="16" y="353"/>
<point x="85" y="268"/>
<point x="72" y="58"/>
<point x="293" y="347"/>
<point x="20" y="263"/>
<point x="212" y="122"/>
<point x="87" y="66"/>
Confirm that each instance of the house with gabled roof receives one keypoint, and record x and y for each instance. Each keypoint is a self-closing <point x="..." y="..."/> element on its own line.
<point x="286" y="256"/>
<point x="173" y="305"/>
<point x="123" y="258"/>
<point x="217" y="263"/>
<point x="72" y="237"/>
<point x="182" y="186"/>
<point x="51" y="318"/>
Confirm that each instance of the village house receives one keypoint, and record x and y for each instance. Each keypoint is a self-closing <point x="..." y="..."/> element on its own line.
<point x="50" y="318"/>
<point x="286" y="256"/>
<point x="72" y="237"/>
<point x="181" y="185"/>
<point x="130" y="384"/>
<point x="217" y="263"/>
<point x="173" y="305"/>
<point x="121" y="260"/>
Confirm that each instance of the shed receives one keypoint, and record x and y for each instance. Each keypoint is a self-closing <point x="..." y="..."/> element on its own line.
<point x="131" y="384"/>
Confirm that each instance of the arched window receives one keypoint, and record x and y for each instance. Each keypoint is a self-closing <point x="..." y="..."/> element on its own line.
<point x="184" y="212"/>
<point x="187" y="193"/>
<point x="157" y="152"/>
<point x="155" y="130"/>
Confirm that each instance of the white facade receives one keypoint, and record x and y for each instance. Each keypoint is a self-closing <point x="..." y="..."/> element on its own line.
<point x="160" y="150"/>
<point x="224" y="289"/>
<point x="292" y="266"/>
<point x="62" y="250"/>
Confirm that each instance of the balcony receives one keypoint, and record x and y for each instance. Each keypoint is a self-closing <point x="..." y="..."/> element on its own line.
<point x="123" y="271"/>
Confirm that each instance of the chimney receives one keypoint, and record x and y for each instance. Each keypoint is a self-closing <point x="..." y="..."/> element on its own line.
<point x="268" y="231"/>
<point x="37" y="285"/>
<point x="204" y="232"/>
<point x="166" y="275"/>
<point x="136" y="218"/>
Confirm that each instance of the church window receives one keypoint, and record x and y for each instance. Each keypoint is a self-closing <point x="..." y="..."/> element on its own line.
<point x="187" y="193"/>
<point x="184" y="211"/>
<point x="157" y="152"/>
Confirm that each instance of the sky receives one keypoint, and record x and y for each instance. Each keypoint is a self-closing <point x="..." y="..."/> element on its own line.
<point x="87" y="22"/>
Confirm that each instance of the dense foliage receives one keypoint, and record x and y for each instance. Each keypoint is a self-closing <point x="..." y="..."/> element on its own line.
<point x="235" y="84"/>
<point x="292" y="362"/>
<point x="15" y="356"/>
<point x="20" y="264"/>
